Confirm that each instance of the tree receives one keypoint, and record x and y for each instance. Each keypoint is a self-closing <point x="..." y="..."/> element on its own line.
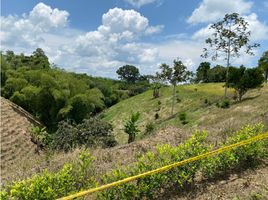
<point x="39" y="59"/>
<point x="128" y="73"/>
<point x="217" y="74"/>
<point x="263" y="64"/>
<point x="131" y="127"/>
<point x="202" y="72"/>
<point x="229" y="36"/>
<point x="243" y="79"/>
<point x="175" y="75"/>
<point x="156" y="85"/>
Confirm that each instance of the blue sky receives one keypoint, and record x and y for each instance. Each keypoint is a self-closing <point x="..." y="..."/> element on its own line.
<point x="98" y="36"/>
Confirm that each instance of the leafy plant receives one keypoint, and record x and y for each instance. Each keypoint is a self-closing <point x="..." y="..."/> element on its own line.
<point x="131" y="127"/>
<point x="149" y="128"/>
<point x="71" y="178"/>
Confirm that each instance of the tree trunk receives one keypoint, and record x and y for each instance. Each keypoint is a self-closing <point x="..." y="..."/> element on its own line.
<point x="266" y="76"/>
<point x="131" y="138"/>
<point x="173" y="101"/>
<point x="227" y="70"/>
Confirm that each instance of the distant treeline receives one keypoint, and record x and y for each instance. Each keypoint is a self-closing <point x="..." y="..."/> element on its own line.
<point x="52" y="94"/>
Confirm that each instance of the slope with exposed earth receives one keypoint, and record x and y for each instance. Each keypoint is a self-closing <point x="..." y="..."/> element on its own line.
<point x="16" y="144"/>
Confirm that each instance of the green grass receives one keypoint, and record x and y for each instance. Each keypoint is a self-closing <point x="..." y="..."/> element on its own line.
<point x="192" y="101"/>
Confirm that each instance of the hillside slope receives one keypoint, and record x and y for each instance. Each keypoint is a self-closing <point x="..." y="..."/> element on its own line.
<point x="16" y="144"/>
<point x="199" y="103"/>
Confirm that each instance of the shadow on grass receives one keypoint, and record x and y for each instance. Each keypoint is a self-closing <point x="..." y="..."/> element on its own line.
<point x="247" y="99"/>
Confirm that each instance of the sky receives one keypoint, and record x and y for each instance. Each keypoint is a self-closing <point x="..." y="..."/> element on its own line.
<point x="99" y="36"/>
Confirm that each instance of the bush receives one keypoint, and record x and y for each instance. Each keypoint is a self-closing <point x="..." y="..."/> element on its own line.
<point x="150" y="186"/>
<point x="91" y="132"/>
<point x="224" y="104"/>
<point x="73" y="177"/>
<point x="149" y="128"/>
<point x="244" y="156"/>
<point x="207" y="102"/>
<point x="156" y="116"/>
<point x="182" y="117"/>
<point x="41" y="136"/>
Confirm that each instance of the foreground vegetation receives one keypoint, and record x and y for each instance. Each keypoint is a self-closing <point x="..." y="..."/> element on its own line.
<point x="81" y="175"/>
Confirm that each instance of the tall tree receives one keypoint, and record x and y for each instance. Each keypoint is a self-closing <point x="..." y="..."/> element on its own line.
<point x="229" y="36"/>
<point x="128" y="73"/>
<point x="263" y="64"/>
<point x="202" y="72"/>
<point x="174" y="75"/>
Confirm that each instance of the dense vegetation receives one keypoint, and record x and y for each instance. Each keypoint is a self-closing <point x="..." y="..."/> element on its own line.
<point x="53" y="95"/>
<point x="80" y="175"/>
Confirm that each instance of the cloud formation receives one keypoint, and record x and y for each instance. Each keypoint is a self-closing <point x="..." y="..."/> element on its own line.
<point x="26" y="31"/>
<point x="212" y="10"/>
<point x="140" y="3"/>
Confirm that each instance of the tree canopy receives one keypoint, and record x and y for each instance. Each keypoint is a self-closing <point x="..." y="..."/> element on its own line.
<point x="128" y="73"/>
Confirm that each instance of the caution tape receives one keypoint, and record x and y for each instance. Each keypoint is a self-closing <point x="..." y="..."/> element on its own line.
<point x="165" y="168"/>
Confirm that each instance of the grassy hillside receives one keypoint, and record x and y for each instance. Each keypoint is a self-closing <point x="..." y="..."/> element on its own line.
<point x="198" y="101"/>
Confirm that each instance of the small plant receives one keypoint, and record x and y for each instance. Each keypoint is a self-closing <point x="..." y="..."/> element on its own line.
<point x="159" y="102"/>
<point x="40" y="136"/>
<point x="182" y="117"/>
<point x="224" y="104"/>
<point x="207" y="102"/>
<point x="149" y="128"/>
<point x="131" y="127"/>
<point x="178" y="100"/>
<point x="156" y="116"/>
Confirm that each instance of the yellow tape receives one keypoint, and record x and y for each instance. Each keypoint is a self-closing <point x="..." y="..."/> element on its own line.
<point x="165" y="168"/>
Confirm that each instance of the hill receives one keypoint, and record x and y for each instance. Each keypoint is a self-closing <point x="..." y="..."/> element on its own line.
<point x="199" y="103"/>
<point x="16" y="144"/>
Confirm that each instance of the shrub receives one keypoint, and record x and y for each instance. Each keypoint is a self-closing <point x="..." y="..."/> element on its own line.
<point x="182" y="117"/>
<point x="223" y="104"/>
<point x="73" y="177"/>
<point x="156" y="116"/>
<point x="149" y="187"/>
<point x="149" y="128"/>
<point x="91" y="132"/>
<point x="40" y="136"/>
<point x="244" y="156"/>
<point x="131" y="127"/>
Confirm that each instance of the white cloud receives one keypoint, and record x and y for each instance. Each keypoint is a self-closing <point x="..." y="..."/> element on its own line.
<point x="139" y="3"/>
<point x="26" y="31"/>
<point x="117" y="39"/>
<point x="211" y="10"/>
<point x="259" y="30"/>
<point x="114" y="43"/>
